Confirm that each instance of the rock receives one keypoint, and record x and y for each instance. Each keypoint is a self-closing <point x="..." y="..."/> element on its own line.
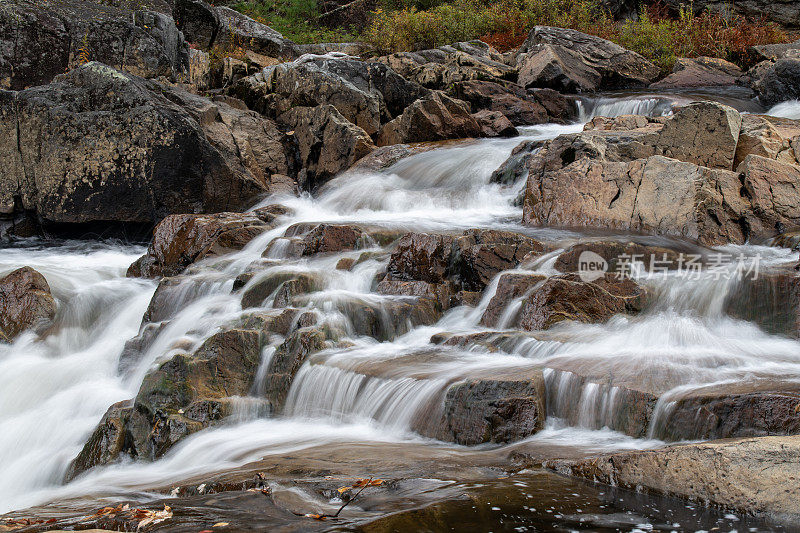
<point x="38" y="42"/>
<point x="297" y="285"/>
<point x="287" y="360"/>
<point x="568" y="298"/>
<point x="25" y="302"/>
<point x="328" y="143"/>
<point x="180" y="240"/>
<point x="590" y="62"/>
<point x="391" y="317"/>
<point x="508" y="100"/>
<point x="434" y="117"/>
<point x="767" y="137"/>
<point x="773" y="52"/>
<point x="240" y="31"/>
<point x="368" y="94"/>
<point x="617" y="178"/>
<point x="700" y="72"/>
<point x="619" y="255"/>
<point x="99" y="146"/>
<point x="441" y="67"/>
<point x="773" y="188"/>
<point x="494" y="124"/>
<point x="560" y="108"/>
<point x="714" y="128"/>
<point x="329" y="238"/>
<point x="559" y="68"/>
<point x="182" y="396"/>
<point x="472" y="259"/>
<point x="750" y="475"/>
<point x="198" y="21"/>
<point x="780" y="82"/>
<point x="510" y="286"/>
<point x="493" y="410"/>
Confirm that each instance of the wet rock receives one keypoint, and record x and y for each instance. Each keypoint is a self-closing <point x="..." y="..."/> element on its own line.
<point x="134" y="348"/>
<point x="25" y="302"/>
<point x="516" y="165"/>
<point x="287" y="360"/>
<point x="771" y="300"/>
<point x="752" y="475"/>
<point x="386" y="319"/>
<point x="567" y="297"/>
<point x="441" y="292"/>
<point x="493" y="410"/>
<point x="728" y="411"/>
<point x="495" y="124"/>
<point x="180" y="240"/>
<point x="182" y="396"/>
<point x="328" y="143"/>
<point x="328" y="238"/>
<point x="268" y="321"/>
<point x="619" y="256"/>
<point x="590" y="63"/>
<point x="286" y="292"/>
<point x="433" y="117"/>
<point x="99" y="146"/>
<point x="345" y="263"/>
<point x="778" y="82"/>
<point x="509" y="287"/>
<point x="700" y="72"/>
<point x="471" y="260"/>
<point x="560" y="108"/>
<point x="508" y="99"/>
<point x="38" y="42"/>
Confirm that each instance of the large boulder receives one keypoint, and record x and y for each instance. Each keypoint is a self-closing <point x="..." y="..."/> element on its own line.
<point x="750" y="475"/>
<point x="180" y="240"/>
<point x="434" y="117"/>
<point x="39" y="41"/>
<point x="641" y="175"/>
<point x="700" y="72"/>
<point x="571" y="60"/>
<point x="328" y="143"/>
<point x="98" y="146"/>
<point x="510" y="100"/>
<point x="25" y="302"/>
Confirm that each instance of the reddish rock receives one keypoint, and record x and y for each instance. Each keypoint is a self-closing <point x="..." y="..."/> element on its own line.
<point x="495" y="124"/>
<point x="509" y="287"/>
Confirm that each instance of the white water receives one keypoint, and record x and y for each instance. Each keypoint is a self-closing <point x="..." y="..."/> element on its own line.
<point x="790" y="109"/>
<point x="54" y="390"/>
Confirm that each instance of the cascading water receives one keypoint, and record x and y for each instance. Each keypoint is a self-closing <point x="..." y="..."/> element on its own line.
<point x="53" y="391"/>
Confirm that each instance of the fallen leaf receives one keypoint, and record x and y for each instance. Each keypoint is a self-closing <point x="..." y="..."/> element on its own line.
<point x="315" y="516"/>
<point x="342" y="490"/>
<point x="221" y="524"/>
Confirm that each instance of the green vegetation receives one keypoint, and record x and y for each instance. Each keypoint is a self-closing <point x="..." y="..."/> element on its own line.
<point x="400" y="25"/>
<point x="295" y="19"/>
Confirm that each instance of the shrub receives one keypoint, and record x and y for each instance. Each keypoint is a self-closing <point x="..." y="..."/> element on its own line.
<point x="295" y="19"/>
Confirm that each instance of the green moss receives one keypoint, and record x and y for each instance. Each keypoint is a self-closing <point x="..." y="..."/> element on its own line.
<point x="295" y="19"/>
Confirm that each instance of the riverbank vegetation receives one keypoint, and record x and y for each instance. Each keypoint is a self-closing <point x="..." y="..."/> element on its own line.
<point x="403" y="25"/>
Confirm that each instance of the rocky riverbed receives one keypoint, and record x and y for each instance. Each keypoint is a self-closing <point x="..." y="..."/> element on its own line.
<point x="314" y="287"/>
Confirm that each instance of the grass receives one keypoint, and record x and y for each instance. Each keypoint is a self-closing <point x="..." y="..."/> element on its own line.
<point x="403" y="25"/>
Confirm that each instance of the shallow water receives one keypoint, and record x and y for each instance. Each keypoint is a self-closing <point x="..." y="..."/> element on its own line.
<point x="54" y="390"/>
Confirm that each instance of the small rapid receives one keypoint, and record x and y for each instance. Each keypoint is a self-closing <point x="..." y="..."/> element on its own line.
<point x="385" y="385"/>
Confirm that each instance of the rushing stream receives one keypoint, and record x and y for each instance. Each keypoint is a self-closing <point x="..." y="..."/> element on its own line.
<point x="54" y="391"/>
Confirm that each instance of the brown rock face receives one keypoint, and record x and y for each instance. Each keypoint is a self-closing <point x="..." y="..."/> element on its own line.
<point x="752" y="475"/>
<point x="700" y="72"/>
<point x="434" y="117"/>
<point x="509" y="287"/>
<point x="494" y="124"/>
<point x="288" y="359"/>
<point x="25" y="302"/>
<point x="559" y="68"/>
<point x="493" y="410"/>
<point x="568" y="298"/>
<point x="641" y="175"/>
<point x="508" y="99"/>
<point x="616" y="252"/>
<point x="180" y="240"/>
<point x="471" y="260"/>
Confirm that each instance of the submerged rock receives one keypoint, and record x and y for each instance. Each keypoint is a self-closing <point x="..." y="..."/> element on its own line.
<point x="25" y="302"/>
<point x="751" y="475"/>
